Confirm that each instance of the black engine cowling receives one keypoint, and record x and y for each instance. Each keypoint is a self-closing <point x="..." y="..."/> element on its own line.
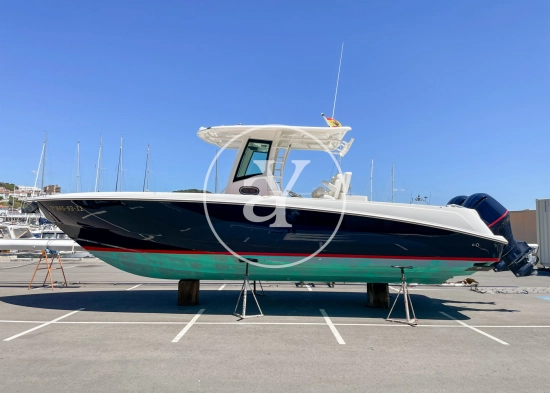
<point x="516" y="255"/>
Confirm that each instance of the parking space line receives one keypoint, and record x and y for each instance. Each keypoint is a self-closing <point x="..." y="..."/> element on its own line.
<point x="188" y="326"/>
<point x="135" y="286"/>
<point x="222" y="287"/>
<point x="268" y="323"/>
<point x="261" y="323"/>
<point x="512" y="326"/>
<point x="332" y="327"/>
<point x="395" y="325"/>
<point x="474" y="329"/>
<point x="44" y="324"/>
<point x="8" y="321"/>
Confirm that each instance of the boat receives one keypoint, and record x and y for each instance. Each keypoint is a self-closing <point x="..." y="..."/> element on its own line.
<point x="15" y="231"/>
<point x="24" y="241"/>
<point x="9" y="232"/>
<point x="258" y="223"/>
<point x="49" y="232"/>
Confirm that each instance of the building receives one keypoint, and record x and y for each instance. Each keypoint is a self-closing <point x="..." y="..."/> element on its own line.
<point x="20" y="192"/>
<point x="5" y="193"/>
<point x="52" y="189"/>
<point x="31" y="190"/>
<point x="524" y="225"/>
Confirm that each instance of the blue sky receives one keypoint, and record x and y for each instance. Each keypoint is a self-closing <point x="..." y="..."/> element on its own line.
<point x="455" y="93"/>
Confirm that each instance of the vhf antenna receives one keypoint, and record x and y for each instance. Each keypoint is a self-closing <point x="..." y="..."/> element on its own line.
<point x="337" y="80"/>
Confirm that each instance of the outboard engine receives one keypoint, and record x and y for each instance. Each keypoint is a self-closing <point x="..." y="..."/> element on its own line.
<point x="458" y="200"/>
<point x="516" y="256"/>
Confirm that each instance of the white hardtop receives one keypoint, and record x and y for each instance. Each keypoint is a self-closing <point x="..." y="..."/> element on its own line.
<point x="262" y="152"/>
<point x="299" y="137"/>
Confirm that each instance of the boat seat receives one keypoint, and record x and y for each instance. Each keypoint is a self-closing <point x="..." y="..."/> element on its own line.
<point x="338" y="186"/>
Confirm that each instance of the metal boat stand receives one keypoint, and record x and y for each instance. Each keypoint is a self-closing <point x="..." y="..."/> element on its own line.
<point x="49" y="268"/>
<point x="407" y="297"/>
<point x="244" y="294"/>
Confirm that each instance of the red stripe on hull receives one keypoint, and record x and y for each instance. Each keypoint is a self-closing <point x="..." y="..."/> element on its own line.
<point x="275" y="254"/>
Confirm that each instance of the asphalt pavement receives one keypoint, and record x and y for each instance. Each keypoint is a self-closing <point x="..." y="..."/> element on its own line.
<point x="113" y="331"/>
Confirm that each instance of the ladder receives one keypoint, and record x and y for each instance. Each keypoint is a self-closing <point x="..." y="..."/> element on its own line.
<point x="279" y="165"/>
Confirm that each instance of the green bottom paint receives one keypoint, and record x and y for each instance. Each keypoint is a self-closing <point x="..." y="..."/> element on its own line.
<point x="227" y="267"/>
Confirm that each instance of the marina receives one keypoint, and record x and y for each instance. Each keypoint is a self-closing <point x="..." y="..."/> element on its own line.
<point x="112" y="328"/>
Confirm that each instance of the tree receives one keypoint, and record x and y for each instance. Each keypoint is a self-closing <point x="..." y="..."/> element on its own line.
<point x="9" y="186"/>
<point x="15" y="203"/>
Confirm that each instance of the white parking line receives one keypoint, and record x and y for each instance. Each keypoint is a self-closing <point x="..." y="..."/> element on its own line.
<point x="44" y="324"/>
<point x="474" y="329"/>
<point x="8" y="321"/>
<point x="332" y="327"/>
<point x="222" y="287"/>
<point x="188" y="326"/>
<point x="135" y="286"/>
<point x="308" y="288"/>
<point x="272" y="323"/>
<point x="513" y="326"/>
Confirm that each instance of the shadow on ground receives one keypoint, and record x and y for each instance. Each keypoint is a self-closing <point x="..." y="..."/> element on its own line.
<point x="276" y="303"/>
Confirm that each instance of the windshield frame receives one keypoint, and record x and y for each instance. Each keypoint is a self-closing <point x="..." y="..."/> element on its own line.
<point x="250" y="161"/>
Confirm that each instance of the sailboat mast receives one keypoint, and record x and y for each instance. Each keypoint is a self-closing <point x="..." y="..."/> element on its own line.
<point x="44" y="162"/>
<point x="119" y="170"/>
<point x="146" y="178"/>
<point x="392" y="180"/>
<point x="39" y="165"/>
<point x="371" y="172"/>
<point x="98" y="168"/>
<point x="77" y="165"/>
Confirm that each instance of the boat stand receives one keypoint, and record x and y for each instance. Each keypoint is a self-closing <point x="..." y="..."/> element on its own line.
<point x="407" y="297"/>
<point x="244" y="294"/>
<point x="49" y="268"/>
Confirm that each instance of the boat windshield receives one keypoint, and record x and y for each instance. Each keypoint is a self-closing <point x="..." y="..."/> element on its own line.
<point x="254" y="159"/>
<point x="22" y="233"/>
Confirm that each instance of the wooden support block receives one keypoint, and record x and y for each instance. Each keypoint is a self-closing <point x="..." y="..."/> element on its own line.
<point x="188" y="292"/>
<point x="379" y="295"/>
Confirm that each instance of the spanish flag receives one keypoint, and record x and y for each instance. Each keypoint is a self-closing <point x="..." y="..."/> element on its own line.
<point x="331" y="122"/>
